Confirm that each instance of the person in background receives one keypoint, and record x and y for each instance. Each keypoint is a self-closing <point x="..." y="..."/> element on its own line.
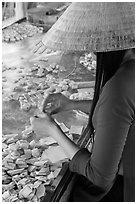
<point x="108" y="173"/>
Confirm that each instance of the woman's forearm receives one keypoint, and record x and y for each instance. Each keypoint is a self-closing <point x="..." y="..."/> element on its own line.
<point x="69" y="147"/>
<point x="83" y="105"/>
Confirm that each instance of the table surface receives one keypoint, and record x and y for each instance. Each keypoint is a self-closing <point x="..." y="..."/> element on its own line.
<point x="20" y="53"/>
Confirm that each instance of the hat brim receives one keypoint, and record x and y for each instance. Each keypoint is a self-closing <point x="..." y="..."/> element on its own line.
<point x="94" y="26"/>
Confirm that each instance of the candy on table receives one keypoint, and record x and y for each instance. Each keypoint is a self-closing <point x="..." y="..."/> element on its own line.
<point x="27" y="132"/>
<point x="66" y="93"/>
<point x="58" y="90"/>
<point x="35" y="152"/>
<point x="50" y="176"/>
<point x="14" y="172"/>
<point x="35" y="199"/>
<point x="23" y="181"/>
<point x="32" y="144"/>
<point x="13" y="146"/>
<point x="31" y="195"/>
<point x="55" y="71"/>
<point x="41" y="72"/>
<point x="57" y="156"/>
<point x="10" y="166"/>
<point x="63" y="127"/>
<point x="25" y="192"/>
<point x="6" y="195"/>
<point x="40" y="191"/>
<point x="23" y="144"/>
<point x="9" y="186"/>
<point x="20" y="161"/>
<point x="42" y="178"/>
<point x="24" y="105"/>
<point x="47" y="141"/>
<point x="58" y="123"/>
<point x="31" y="168"/>
<point x="76" y="129"/>
<point x="39" y="163"/>
<point x="70" y="136"/>
<point x="4" y="145"/>
<point x="10" y="140"/>
<point x="56" y="172"/>
<point x="44" y="157"/>
<point x="27" y="153"/>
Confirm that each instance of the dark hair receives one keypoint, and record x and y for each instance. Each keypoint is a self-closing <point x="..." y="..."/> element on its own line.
<point x="107" y="65"/>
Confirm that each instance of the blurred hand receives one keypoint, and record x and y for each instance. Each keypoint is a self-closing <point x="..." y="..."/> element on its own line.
<point x="43" y="126"/>
<point x="55" y="103"/>
<point x="39" y="47"/>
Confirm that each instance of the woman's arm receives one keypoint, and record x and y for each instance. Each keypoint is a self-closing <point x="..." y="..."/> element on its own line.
<point x="83" y="105"/>
<point x="57" y="102"/>
<point x="114" y="119"/>
<point x="69" y="147"/>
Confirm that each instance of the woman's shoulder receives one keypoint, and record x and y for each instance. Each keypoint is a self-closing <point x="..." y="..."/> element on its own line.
<point x="121" y="87"/>
<point x="124" y="80"/>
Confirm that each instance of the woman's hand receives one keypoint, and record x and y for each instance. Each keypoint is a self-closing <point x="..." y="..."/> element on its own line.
<point x="43" y="126"/>
<point x="55" y="103"/>
<point x="39" y="47"/>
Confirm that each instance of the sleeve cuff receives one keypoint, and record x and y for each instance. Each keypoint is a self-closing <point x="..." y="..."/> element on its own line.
<point x="79" y="161"/>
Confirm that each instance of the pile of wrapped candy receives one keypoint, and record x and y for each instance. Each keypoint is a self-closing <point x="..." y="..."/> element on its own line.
<point x="19" y="31"/>
<point x="27" y="172"/>
<point x="89" y="61"/>
<point x="29" y="167"/>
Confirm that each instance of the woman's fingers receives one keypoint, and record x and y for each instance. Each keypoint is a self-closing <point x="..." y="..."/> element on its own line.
<point x="54" y="111"/>
<point x="52" y="104"/>
<point x="52" y="98"/>
<point x="48" y="102"/>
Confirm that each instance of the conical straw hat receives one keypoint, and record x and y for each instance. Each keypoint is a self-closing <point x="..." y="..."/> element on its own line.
<point x="94" y="26"/>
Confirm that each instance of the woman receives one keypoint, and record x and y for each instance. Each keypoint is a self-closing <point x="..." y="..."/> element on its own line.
<point x="113" y="120"/>
<point x="108" y="173"/>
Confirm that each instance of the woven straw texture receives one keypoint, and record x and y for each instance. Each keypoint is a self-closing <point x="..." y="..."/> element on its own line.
<point x="94" y="26"/>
